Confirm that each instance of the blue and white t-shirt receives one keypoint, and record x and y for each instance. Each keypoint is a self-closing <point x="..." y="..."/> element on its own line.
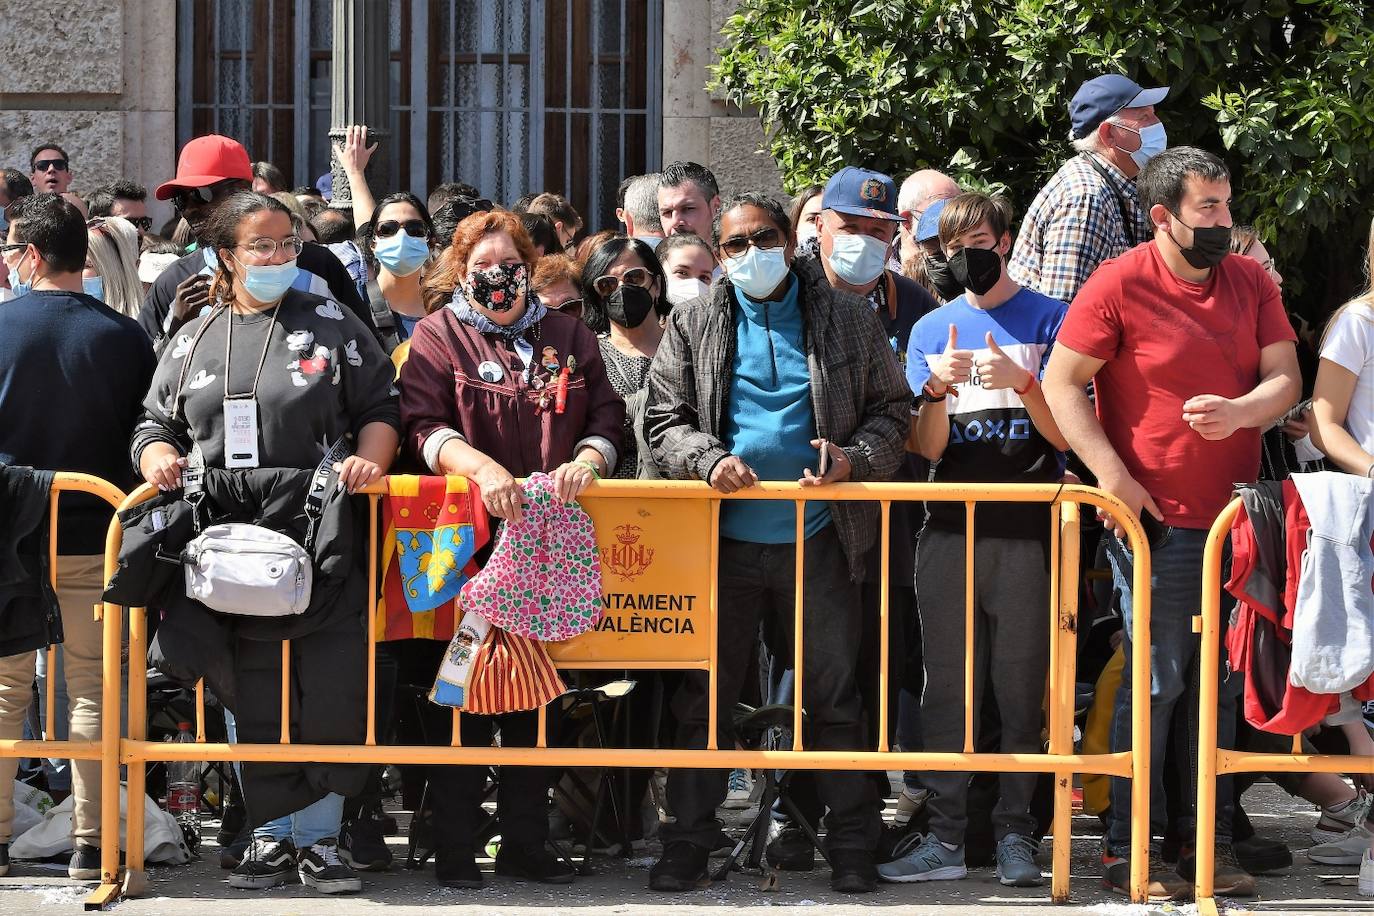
<point x="991" y="436"/>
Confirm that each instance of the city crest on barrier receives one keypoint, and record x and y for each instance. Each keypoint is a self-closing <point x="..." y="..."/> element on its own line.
<point x="628" y="559"/>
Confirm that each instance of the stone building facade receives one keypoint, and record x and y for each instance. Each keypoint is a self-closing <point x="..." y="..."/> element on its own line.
<point x="106" y="81"/>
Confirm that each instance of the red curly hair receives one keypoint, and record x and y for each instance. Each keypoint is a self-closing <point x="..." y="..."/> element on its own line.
<point x="452" y="268"/>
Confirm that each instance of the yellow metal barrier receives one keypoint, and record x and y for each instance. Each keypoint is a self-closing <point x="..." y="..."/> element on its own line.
<point x="1212" y="760"/>
<point x="681" y="514"/>
<point x="103" y="750"/>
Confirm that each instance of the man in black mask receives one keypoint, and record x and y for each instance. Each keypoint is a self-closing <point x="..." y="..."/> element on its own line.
<point x="210" y="170"/>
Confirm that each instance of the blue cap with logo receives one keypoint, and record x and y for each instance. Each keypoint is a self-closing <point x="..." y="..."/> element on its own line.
<point x="861" y="192"/>
<point x="1103" y="96"/>
<point x="929" y="225"/>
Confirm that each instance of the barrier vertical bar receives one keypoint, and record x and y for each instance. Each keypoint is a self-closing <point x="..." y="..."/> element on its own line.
<point x="456" y="740"/>
<point x="372" y="500"/>
<point x="1063" y="648"/>
<point x="1140" y="708"/>
<point x="138" y="731"/>
<point x="286" y="691"/>
<point x="798" y="623"/>
<point x="713" y="604"/>
<point x="200" y="710"/>
<point x="969" y="701"/>
<point x="884" y="593"/>
<point x="1203" y="878"/>
<point x="50" y="682"/>
<point x="109" y="721"/>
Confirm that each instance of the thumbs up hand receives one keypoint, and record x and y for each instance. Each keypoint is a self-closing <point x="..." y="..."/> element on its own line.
<point x="954" y="366"/>
<point x="998" y="370"/>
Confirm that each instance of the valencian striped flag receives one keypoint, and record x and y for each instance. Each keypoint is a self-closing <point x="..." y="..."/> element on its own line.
<point x="434" y="527"/>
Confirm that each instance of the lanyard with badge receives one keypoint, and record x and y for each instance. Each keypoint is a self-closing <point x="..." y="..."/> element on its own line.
<point x="241" y="410"/>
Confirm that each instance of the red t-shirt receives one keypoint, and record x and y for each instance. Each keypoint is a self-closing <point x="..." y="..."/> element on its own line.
<point x="1166" y="340"/>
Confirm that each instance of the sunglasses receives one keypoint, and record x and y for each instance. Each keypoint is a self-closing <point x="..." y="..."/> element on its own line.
<point x="42" y="165"/>
<point x="737" y="245"/>
<point x="185" y="197"/>
<point x="635" y="276"/>
<point x="572" y="307"/>
<point x="414" y="228"/>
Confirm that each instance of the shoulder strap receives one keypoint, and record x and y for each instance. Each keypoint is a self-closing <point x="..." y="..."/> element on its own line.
<point x="1127" y="220"/>
<point x="193" y="483"/>
<point x="382" y="317"/>
<point x="324" y="477"/>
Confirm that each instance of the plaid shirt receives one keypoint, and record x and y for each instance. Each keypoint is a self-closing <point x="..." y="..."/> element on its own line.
<point x="858" y="393"/>
<point x="1074" y="224"/>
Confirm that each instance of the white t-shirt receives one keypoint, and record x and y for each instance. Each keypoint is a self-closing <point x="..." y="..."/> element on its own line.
<point x="1350" y="344"/>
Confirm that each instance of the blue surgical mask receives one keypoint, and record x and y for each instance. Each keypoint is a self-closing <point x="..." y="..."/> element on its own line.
<point x="94" y="286"/>
<point x="1153" y="141"/>
<point x="20" y="287"/>
<point x="857" y="259"/>
<point x="268" y="282"/>
<point x="402" y="254"/>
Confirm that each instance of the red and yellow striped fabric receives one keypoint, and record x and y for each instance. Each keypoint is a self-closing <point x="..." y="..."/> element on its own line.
<point x="509" y="674"/>
<point x="424" y="503"/>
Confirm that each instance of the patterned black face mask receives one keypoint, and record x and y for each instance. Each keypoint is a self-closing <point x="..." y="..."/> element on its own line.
<point x="498" y="288"/>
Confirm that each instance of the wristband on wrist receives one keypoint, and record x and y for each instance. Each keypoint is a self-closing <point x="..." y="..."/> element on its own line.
<point x="930" y="395"/>
<point x="1030" y="380"/>
<point x="591" y="467"/>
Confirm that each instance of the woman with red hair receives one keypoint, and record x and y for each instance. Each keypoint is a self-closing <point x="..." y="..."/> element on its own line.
<point x="498" y="386"/>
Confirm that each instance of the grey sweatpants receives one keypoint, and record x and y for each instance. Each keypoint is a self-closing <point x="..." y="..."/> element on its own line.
<point x="1011" y="642"/>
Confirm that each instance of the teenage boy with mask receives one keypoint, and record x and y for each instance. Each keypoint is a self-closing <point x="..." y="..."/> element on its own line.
<point x="209" y="170"/>
<point x="735" y="396"/>
<point x="1090" y="210"/>
<point x="977" y="361"/>
<point x="1191" y="355"/>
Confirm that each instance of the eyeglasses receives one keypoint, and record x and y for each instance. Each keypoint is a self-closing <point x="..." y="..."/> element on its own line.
<point x="42" y="165"/>
<point x="265" y="249"/>
<point x="7" y="250"/>
<point x="737" y="245"/>
<point x="414" y="228"/>
<point x="635" y="276"/>
<point x="572" y="307"/>
<point x="185" y="197"/>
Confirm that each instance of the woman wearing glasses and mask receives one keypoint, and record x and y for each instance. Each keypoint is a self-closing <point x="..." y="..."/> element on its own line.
<point x="303" y="373"/>
<point x="624" y="290"/>
<point x="398" y="245"/>
<point x="498" y="386"/>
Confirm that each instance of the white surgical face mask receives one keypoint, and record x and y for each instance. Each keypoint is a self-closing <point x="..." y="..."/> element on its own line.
<point x="1153" y="141"/>
<point x="758" y="271"/>
<point x="685" y="289"/>
<point x="857" y="259"/>
<point x="807" y="230"/>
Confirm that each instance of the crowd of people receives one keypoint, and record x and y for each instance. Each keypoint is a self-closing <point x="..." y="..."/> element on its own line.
<point x="1124" y="332"/>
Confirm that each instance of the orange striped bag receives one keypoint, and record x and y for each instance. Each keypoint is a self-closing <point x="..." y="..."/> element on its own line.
<point x="509" y="674"/>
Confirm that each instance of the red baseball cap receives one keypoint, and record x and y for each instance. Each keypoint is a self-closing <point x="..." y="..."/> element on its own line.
<point x="206" y="160"/>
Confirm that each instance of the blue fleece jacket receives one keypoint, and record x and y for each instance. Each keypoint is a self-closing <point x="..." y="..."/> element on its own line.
<point x="769" y="420"/>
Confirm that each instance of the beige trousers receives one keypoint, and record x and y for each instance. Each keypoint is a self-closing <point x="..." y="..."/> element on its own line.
<point x="80" y="581"/>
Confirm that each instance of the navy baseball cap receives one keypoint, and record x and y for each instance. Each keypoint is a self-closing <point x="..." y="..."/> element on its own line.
<point x="1103" y="96"/>
<point x="861" y="192"/>
<point x="929" y="226"/>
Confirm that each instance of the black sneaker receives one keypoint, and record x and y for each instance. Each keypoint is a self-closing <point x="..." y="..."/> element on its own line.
<point x="362" y="844"/>
<point x="792" y="850"/>
<point x="682" y="867"/>
<point x="85" y="863"/>
<point x="852" y="871"/>
<point x="266" y="863"/>
<point x="1259" y="856"/>
<point x="231" y="853"/>
<point x="321" y="868"/>
<point x="456" y="866"/>
<point x="4" y="859"/>
<point x="533" y="863"/>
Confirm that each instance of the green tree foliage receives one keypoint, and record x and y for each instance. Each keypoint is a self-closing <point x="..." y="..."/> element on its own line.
<point x="980" y="88"/>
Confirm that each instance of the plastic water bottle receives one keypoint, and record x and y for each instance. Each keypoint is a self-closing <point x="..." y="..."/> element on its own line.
<point x="183" y="789"/>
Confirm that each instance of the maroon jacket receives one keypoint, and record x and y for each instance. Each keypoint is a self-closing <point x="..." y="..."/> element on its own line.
<point x="441" y="389"/>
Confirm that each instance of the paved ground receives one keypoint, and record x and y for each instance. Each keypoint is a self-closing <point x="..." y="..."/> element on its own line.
<point x="619" y="887"/>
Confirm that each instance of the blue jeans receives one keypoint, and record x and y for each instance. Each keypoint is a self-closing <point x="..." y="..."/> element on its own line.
<point x="307" y="826"/>
<point x="1176" y="595"/>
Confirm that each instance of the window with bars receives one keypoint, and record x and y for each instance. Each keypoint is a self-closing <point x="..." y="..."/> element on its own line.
<point x="512" y="96"/>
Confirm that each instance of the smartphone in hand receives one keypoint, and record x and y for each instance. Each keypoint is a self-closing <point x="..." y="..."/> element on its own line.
<point x="823" y="464"/>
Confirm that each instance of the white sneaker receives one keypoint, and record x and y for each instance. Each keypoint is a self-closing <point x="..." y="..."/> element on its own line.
<point x="1333" y="825"/>
<point x="1347" y="849"/>
<point x="1366" y="883"/>
<point x="908" y="804"/>
<point x="741" y="791"/>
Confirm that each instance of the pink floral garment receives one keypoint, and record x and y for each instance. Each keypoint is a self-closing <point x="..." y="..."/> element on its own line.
<point x="543" y="580"/>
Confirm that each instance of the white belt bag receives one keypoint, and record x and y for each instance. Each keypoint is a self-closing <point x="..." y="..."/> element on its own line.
<point x="248" y="571"/>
